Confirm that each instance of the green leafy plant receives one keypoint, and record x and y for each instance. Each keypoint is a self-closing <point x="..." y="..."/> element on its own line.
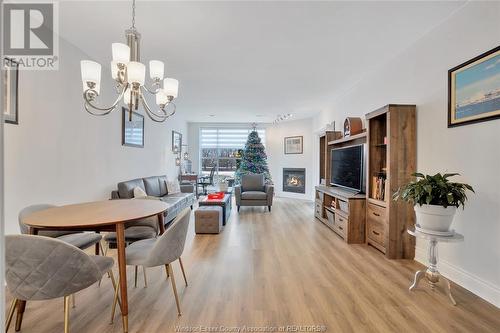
<point x="434" y="190"/>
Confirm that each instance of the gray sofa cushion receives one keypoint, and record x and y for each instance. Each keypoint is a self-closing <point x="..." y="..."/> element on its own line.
<point x="126" y="189"/>
<point x="252" y="182"/>
<point x="254" y="195"/>
<point x="152" y="185"/>
<point x="163" y="185"/>
<point x="133" y="234"/>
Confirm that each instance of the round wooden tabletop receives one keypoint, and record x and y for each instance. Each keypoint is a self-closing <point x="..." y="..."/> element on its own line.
<point x="95" y="214"/>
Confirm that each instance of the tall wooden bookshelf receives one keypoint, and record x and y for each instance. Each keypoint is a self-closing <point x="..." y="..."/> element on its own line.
<point x="391" y="139"/>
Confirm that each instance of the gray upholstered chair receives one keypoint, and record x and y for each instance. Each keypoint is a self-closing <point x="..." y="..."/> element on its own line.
<point x="253" y="191"/>
<point x="81" y="240"/>
<point x="146" y="228"/>
<point x="42" y="268"/>
<point x="161" y="251"/>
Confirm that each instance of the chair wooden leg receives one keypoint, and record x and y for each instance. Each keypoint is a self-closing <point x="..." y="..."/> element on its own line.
<point x="174" y="288"/>
<point x="11" y="314"/>
<point x="183" y="272"/>
<point x="166" y="271"/>
<point x="135" y="277"/>
<point x="66" y="314"/>
<point x="115" y="300"/>
<point x="145" y="278"/>
<point x="21" y="306"/>
<point x="73" y="301"/>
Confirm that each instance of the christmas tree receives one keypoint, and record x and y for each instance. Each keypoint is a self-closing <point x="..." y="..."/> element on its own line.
<point x="254" y="159"/>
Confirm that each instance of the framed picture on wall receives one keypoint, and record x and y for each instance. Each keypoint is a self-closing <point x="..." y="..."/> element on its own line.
<point x="9" y="91"/>
<point x="294" y="145"/>
<point x="132" y="130"/>
<point x="474" y="90"/>
<point x="176" y="142"/>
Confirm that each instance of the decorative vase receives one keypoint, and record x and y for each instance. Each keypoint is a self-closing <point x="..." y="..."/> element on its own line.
<point x="435" y="218"/>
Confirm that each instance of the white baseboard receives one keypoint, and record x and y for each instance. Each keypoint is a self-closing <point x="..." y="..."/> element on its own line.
<point x="474" y="284"/>
<point x="291" y="195"/>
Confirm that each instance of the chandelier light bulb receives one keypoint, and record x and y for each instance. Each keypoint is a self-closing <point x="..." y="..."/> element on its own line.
<point x="91" y="71"/>
<point x="171" y="87"/>
<point x="136" y="72"/>
<point x="156" y="69"/>
<point x="121" y="53"/>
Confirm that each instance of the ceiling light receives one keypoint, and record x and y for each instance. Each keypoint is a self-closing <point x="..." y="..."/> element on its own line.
<point x="130" y="76"/>
<point x="282" y="117"/>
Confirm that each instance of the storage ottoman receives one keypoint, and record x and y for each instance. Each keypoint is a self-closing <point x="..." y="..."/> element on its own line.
<point x="208" y="220"/>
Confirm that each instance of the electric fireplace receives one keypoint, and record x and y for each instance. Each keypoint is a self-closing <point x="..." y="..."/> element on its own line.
<point x="294" y="180"/>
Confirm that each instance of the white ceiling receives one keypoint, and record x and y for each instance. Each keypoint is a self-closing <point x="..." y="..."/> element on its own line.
<point x="249" y="61"/>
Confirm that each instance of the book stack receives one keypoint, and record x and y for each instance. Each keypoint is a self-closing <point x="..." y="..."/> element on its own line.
<point x="378" y="186"/>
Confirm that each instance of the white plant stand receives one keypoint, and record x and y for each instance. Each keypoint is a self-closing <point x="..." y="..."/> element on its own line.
<point x="431" y="273"/>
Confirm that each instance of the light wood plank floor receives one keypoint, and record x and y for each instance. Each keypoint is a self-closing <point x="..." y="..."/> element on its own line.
<point x="273" y="269"/>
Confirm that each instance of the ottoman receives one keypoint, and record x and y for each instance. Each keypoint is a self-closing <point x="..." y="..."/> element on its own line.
<point x="208" y="220"/>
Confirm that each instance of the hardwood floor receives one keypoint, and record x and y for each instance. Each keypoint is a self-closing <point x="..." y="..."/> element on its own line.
<point x="274" y="269"/>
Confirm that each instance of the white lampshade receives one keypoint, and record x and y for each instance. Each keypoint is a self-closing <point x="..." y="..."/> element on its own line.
<point x="121" y="52"/>
<point x="161" y="97"/>
<point x="136" y="72"/>
<point x="171" y="87"/>
<point x="114" y="69"/>
<point x="156" y="69"/>
<point x="91" y="71"/>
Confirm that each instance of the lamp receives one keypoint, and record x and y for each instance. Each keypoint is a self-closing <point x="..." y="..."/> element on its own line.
<point x="130" y="76"/>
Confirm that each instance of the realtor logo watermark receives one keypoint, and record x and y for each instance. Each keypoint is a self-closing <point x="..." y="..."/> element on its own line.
<point x="30" y="34"/>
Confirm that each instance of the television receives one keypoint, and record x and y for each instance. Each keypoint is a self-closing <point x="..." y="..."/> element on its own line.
<point x="347" y="167"/>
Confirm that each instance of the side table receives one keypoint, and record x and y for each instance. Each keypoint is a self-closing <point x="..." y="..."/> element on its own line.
<point x="431" y="273"/>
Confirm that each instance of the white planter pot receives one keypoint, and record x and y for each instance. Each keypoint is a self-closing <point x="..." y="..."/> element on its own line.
<point x="435" y="218"/>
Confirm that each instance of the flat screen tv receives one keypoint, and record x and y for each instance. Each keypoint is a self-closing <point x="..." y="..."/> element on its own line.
<point x="347" y="167"/>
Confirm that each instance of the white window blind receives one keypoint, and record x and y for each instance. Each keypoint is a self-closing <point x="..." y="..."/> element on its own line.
<point x="220" y="148"/>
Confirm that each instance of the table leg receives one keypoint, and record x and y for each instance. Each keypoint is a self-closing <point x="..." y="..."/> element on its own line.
<point x="122" y="268"/>
<point x="447" y="288"/>
<point x="418" y="276"/>
<point x="161" y="223"/>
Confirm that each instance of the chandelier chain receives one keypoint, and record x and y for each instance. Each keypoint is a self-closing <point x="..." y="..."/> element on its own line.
<point x="133" y="14"/>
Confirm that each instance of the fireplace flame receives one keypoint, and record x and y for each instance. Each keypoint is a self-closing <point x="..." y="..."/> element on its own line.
<point x="295" y="181"/>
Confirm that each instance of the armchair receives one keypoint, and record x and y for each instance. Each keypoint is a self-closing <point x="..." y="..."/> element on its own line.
<point x="254" y="192"/>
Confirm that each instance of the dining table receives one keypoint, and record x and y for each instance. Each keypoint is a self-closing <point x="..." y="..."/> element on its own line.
<point x="98" y="216"/>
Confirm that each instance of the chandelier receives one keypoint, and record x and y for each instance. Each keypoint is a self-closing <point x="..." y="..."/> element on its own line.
<point x="130" y="74"/>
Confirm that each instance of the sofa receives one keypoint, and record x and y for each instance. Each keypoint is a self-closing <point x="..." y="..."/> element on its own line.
<point x="156" y="189"/>
<point x="253" y="191"/>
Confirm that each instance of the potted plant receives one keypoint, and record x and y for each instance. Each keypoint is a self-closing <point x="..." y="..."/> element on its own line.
<point x="435" y="200"/>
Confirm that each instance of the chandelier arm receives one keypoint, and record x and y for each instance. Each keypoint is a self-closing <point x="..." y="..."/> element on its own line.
<point x="152" y="92"/>
<point x="86" y="105"/>
<point x="88" y="101"/>
<point x="153" y="115"/>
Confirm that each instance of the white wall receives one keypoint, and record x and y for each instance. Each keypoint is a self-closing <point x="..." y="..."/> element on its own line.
<point x="278" y="160"/>
<point x="60" y="154"/>
<point x="419" y="76"/>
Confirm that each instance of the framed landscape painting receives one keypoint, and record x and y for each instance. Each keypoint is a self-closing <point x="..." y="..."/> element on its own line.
<point x="474" y="90"/>
<point x="132" y="131"/>
<point x="294" y="145"/>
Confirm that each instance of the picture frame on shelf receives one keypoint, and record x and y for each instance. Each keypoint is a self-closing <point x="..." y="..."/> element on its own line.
<point x="474" y="90"/>
<point x="176" y="142"/>
<point x="294" y="145"/>
<point x="132" y="131"/>
<point x="10" y="91"/>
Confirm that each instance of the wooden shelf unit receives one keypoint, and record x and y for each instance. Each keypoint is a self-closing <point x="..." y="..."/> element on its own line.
<point x="324" y="157"/>
<point x="394" y="160"/>
<point x="342" y="211"/>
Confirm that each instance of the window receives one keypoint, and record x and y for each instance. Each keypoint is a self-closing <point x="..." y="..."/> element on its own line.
<point x="222" y="147"/>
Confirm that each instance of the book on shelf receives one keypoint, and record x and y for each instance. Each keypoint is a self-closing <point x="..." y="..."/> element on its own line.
<point x="378" y="186"/>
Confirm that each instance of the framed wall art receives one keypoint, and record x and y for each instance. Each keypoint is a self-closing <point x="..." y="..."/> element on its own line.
<point x="176" y="142"/>
<point x="294" y="145"/>
<point x="474" y="90"/>
<point x="132" y="130"/>
<point x="10" y="91"/>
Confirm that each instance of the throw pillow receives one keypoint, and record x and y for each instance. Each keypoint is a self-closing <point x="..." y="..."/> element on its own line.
<point x="173" y="186"/>
<point x="139" y="192"/>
